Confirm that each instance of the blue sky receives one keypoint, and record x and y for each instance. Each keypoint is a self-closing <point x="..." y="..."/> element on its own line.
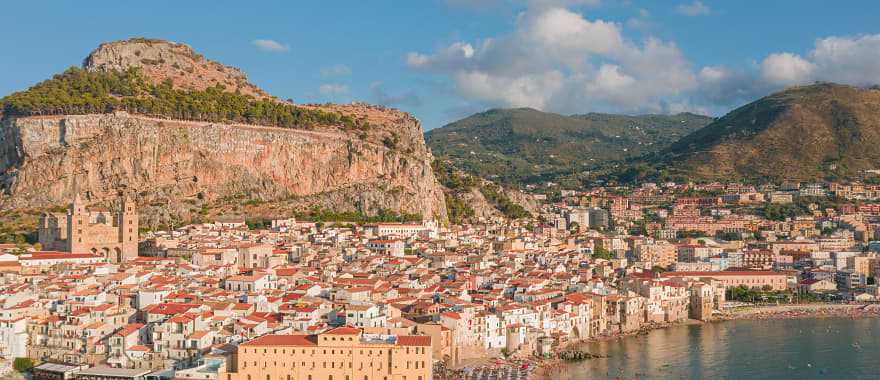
<point x="444" y="59"/>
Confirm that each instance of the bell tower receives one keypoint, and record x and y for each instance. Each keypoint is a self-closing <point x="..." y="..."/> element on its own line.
<point x="77" y="221"/>
<point x="128" y="230"/>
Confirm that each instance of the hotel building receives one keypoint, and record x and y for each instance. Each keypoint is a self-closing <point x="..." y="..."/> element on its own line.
<point x="344" y="353"/>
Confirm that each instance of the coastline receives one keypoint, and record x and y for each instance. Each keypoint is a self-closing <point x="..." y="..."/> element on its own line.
<point x="547" y="368"/>
<point x="797" y="311"/>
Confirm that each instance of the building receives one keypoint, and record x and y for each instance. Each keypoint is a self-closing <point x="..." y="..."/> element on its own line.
<point x="732" y="279"/>
<point x="389" y="247"/>
<point x="109" y="373"/>
<point x="55" y="371"/>
<point x="45" y="259"/>
<point x="338" y="354"/>
<point x="580" y="216"/>
<point x="849" y="280"/>
<point x="598" y="218"/>
<point x="660" y="253"/>
<point x="92" y="230"/>
<point x="427" y="228"/>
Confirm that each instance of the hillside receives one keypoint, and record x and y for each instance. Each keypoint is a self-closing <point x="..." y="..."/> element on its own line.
<point x="204" y="143"/>
<point x="802" y="133"/>
<point x="525" y="145"/>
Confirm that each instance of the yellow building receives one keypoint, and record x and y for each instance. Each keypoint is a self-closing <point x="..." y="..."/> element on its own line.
<point x="344" y="353"/>
<point x="113" y="235"/>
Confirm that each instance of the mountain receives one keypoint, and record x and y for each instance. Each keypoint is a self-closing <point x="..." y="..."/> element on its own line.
<point x="525" y="145"/>
<point x="803" y="133"/>
<point x="192" y="139"/>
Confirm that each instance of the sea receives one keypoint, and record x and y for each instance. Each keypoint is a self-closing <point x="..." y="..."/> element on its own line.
<point x="780" y="349"/>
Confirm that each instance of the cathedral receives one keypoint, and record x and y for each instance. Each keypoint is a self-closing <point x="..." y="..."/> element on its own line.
<point x="92" y="230"/>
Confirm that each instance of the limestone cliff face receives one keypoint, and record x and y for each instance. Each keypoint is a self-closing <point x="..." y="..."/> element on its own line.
<point x="178" y="168"/>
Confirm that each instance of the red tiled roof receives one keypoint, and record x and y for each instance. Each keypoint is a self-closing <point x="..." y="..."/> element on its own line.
<point x="721" y="273"/>
<point x="413" y="340"/>
<point x="283" y="340"/>
<point x="344" y="330"/>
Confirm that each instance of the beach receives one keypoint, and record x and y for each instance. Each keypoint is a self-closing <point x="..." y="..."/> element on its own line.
<point x="794" y="311"/>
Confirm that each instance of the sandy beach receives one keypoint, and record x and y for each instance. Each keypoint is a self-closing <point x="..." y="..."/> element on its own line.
<point x="817" y="310"/>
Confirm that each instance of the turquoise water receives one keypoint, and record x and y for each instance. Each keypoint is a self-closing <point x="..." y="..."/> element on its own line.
<point x="835" y="348"/>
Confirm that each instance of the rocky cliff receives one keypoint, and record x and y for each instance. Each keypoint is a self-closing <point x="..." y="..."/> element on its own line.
<point x="176" y="168"/>
<point x="186" y="170"/>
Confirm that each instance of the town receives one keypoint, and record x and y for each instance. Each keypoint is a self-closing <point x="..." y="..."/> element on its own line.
<point x="289" y="299"/>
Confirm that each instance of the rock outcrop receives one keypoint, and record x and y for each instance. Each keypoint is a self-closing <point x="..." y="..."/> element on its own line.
<point x="175" y="167"/>
<point x="184" y="170"/>
<point x="162" y="60"/>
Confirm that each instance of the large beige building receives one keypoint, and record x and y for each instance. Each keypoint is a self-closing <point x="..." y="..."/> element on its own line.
<point x="344" y="353"/>
<point x="97" y="231"/>
<point x="731" y="279"/>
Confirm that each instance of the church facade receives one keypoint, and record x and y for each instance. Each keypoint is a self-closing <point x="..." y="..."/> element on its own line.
<point x="113" y="235"/>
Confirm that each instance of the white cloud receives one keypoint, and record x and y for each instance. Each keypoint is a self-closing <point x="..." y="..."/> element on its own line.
<point x="334" y="90"/>
<point x="335" y="71"/>
<point x="532" y="90"/>
<point x="851" y="60"/>
<point x="847" y="60"/>
<point x="270" y="46"/>
<point x="549" y="62"/>
<point x="697" y="8"/>
<point x="786" y="68"/>
<point x="558" y="60"/>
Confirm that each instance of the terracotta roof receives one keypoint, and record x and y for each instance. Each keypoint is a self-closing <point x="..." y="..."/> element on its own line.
<point x="344" y="330"/>
<point x="721" y="273"/>
<point x="413" y="340"/>
<point x="283" y="340"/>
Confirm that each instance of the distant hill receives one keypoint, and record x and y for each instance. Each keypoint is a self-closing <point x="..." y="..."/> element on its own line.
<point x="526" y="145"/>
<point x="802" y="133"/>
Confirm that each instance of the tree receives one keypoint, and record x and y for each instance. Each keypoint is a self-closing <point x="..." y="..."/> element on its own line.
<point x="658" y="269"/>
<point x="79" y="91"/>
<point x="601" y="253"/>
<point x="690" y="234"/>
<point x="23" y="364"/>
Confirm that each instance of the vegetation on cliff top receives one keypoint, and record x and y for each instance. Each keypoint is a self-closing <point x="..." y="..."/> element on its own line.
<point x="79" y="91"/>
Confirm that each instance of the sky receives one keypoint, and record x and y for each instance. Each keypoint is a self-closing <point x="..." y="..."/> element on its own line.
<point x="443" y="60"/>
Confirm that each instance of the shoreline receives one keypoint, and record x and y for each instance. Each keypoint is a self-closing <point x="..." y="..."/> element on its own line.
<point x="799" y="311"/>
<point x="544" y="367"/>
